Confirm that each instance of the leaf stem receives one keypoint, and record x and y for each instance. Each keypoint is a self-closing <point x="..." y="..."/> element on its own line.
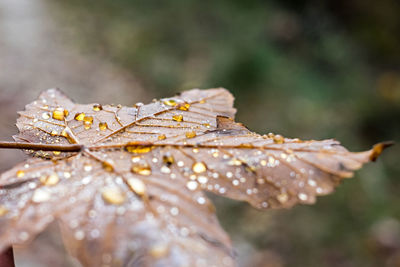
<point x="39" y="146"/>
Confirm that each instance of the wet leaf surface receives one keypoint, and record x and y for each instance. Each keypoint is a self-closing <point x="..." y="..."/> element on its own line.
<point x="134" y="193"/>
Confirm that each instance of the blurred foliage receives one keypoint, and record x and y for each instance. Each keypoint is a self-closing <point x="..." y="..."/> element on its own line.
<point x="309" y="69"/>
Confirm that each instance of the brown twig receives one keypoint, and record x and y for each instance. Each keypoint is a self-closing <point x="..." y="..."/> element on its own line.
<point x="39" y="146"/>
<point x="7" y="258"/>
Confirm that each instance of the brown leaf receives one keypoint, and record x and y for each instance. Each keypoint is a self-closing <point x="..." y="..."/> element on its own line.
<point x="134" y="194"/>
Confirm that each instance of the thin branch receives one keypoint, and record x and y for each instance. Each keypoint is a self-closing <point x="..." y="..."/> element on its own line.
<point x="7" y="258"/>
<point x="40" y="146"/>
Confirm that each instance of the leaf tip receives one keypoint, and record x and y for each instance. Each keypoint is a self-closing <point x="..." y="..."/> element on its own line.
<point x="378" y="148"/>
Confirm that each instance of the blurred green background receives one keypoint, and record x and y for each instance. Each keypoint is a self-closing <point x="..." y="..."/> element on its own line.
<point x="308" y="69"/>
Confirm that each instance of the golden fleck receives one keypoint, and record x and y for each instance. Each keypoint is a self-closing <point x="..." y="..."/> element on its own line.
<point x="202" y="101"/>
<point x="170" y="102"/>
<point x="168" y="160"/>
<point x="142" y="169"/>
<point x="67" y="175"/>
<point x="54" y="133"/>
<point x="58" y="114"/>
<point x="178" y="118"/>
<point x="190" y="134"/>
<point x="51" y="179"/>
<point x="136" y="158"/>
<point x="113" y="195"/>
<point x="278" y="139"/>
<point x="3" y="211"/>
<point x="88" y="119"/>
<point x="56" y="153"/>
<point x="263" y="162"/>
<point x="207" y="125"/>
<point x="184" y="107"/>
<point x="79" y="116"/>
<point x="195" y="150"/>
<point x="162" y="137"/>
<point x="199" y="167"/>
<point x="97" y="107"/>
<point x="158" y="251"/>
<point x="108" y="165"/>
<point x="137" y="186"/>
<point x="103" y="126"/>
<point x="215" y="154"/>
<point x="282" y="198"/>
<point x="138" y="148"/>
<point x="20" y="173"/>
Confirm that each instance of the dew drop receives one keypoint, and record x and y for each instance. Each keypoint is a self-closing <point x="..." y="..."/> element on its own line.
<point x="137" y="186"/>
<point x="202" y="179"/>
<point x="67" y="175"/>
<point x="79" y="116"/>
<point x="136" y="159"/>
<point x="161" y="137"/>
<point x="165" y="169"/>
<point x="174" y="211"/>
<point x="46" y="116"/>
<point x="192" y="185"/>
<point x="201" y="200"/>
<point x="278" y="139"/>
<point x="3" y="211"/>
<point x="190" y="134"/>
<point x="20" y="173"/>
<point x="199" y="167"/>
<point x="138" y="148"/>
<point x="302" y="196"/>
<point x="58" y="114"/>
<point x="168" y="159"/>
<point x="50" y="180"/>
<point x="312" y="182"/>
<point x="79" y="235"/>
<point x="282" y="198"/>
<point x="108" y="165"/>
<point x="142" y="169"/>
<point x="177" y="118"/>
<point x="184" y="107"/>
<point x="113" y="195"/>
<point x="97" y="107"/>
<point x="235" y="162"/>
<point x="40" y="195"/>
<point x="170" y="102"/>
<point x="158" y="251"/>
<point x="103" y="126"/>
<point x="87" y="167"/>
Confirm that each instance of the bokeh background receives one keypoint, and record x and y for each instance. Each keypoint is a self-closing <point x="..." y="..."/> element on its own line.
<point x="306" y="68"/>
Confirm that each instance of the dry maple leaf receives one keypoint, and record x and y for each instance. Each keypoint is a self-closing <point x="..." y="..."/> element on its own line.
<point x="126" y="183"/>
